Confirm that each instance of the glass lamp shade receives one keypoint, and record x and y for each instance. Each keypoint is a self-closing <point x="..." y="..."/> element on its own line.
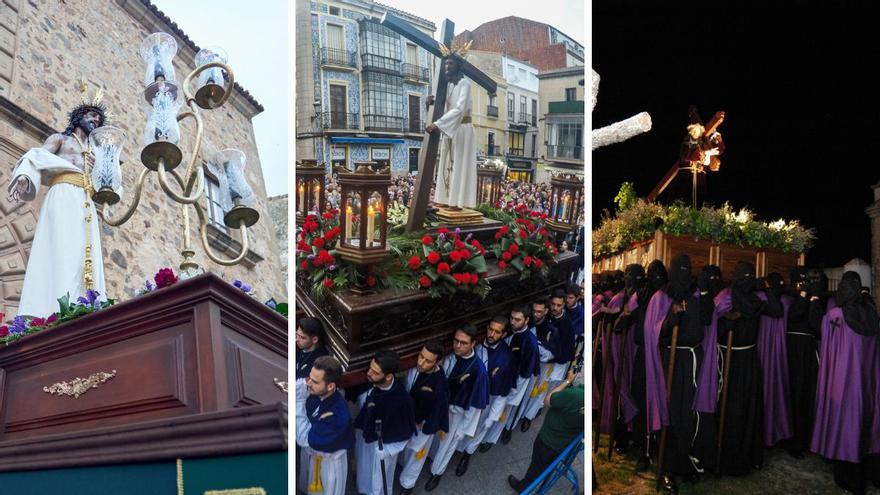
<point x="214" y="161"/>
<point x="162" y="120"/>
<point x="239" y="190"/>
<point x="214" y="75"/>
<point x="106" y="143"/>
<point x="158" y="51"/>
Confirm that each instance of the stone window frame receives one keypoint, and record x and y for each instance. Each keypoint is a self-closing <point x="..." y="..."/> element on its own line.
<point x="221" y="238"/>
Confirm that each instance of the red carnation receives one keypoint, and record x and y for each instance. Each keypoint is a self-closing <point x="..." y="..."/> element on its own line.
<point x="514" y="249"/>
<point x="328" y="283"/>
<point x="543" y="232"/>
<point x="427" y="240"/>
<point x="327" y="216"/>
<point x="424" y="281"/>
<point x="457" y="277"/>
<point x="475" y="243"/>
<point x="371" y="281"/>
<point x="555" y="251"/>
<point x="38" y="322"/>
<point x="458" y="244"/>
<point x="455" y="256"/>
<point x="538" y="263"/>
<point x="415" y="262"/>
<point x="51" y="319"/>
<point x="165" y="278"/>
<point x="318" y="242"/>
<point x="433" y="257"/>
<point x="443" y="268"/>
<point x="304" y="265"/>
<point x="506" y="256"/>
<point x="465" y="254"/>
<point x="527" y="260"/>
<point x="504" y="229"/>
<point x="523" y="234"/>
<point x="497" y="235"/>
<point x="443" y="231"/>
<point x="501" y="264"/>
<point x="475" y="279"/>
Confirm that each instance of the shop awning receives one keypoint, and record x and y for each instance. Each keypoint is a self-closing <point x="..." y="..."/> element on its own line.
<point x="357" y="140"/>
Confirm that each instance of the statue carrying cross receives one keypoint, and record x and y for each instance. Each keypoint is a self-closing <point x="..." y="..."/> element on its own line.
<point x="450" y="122"/>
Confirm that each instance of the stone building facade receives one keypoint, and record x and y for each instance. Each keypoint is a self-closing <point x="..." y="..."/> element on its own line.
<point x="561" y="133"/>
<point x="488" y="112"/>
<point x="361" y="87"/>
<point x="45" y="47"/>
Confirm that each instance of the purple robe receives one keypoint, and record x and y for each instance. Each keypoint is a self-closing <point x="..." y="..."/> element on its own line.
<point x="846" y="392"/>
<point x="610" y="350"/>
<point x="773" y="356"/>
<point x="706" y="398"/>
<point x="655" y="395"/>
<point x="625" y="369"/>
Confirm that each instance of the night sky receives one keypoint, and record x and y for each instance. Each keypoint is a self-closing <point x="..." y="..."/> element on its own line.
<point x="803" y="120"/>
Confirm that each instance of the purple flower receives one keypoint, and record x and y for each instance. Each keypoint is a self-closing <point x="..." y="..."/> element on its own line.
<point x="237" y="283"/>
<point x="246" y="288"/>
<point x="457" y="231"/>
<point x="441" y="237"/>
<point x="310" y="257"/>
<point x="19" y="325"/>
<point x="331" y="268"/>
<point x="148" y="286"/>
<point x="90" y="300"/>
<point x="468" y="238"/>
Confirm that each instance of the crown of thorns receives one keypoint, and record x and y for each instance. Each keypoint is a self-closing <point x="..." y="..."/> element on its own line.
<point x="95" y="103"/>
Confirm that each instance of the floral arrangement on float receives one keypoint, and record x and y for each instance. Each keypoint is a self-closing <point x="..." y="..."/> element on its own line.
<point x="22" y="326"/>
<point x="524" y="244"/>
<point x="449" y="265"/>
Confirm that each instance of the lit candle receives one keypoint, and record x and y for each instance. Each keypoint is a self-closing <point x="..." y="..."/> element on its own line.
<point x="564" y="208"/>
<point x="371" y="222"/>
<point x="317" y="204"/>
<point x="302" y="195"/>
<point x="349" y="219"/>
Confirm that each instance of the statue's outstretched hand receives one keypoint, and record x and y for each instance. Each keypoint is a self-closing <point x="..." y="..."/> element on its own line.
<point x="22" y="186"/>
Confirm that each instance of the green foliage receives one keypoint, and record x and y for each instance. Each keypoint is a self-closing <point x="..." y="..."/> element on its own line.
<point x="626" y="196"/>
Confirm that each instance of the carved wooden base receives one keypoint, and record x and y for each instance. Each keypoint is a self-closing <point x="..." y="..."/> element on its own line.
<point x="461" y="216"/>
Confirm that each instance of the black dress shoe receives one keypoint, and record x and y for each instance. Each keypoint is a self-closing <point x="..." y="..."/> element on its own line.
<point x="667" y="484"/>
<point x="525" y="425"/>
<point x="513" y="482"/>
<point x="406" y="491"/>
<point x="463" y="464"/>
<point x="505" y="436"/>
<point x="643" y="464"/>
<point x="432" y="483"/>
<point x="484" y="447"/>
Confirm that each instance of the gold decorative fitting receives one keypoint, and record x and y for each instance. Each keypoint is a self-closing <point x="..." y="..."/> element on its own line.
<point x="79" y="386"/>
<point x="457" y="49"/>
<point x="280" y="384"/>
<point x="94" y="101"/>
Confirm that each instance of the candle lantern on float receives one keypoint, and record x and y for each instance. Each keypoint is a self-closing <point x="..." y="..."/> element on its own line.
<point x="310" y="198"/>
<point x="106" y="176"/>
<point x="489" y="183"/>
<point x="212" y="80"/>
<point x="566" y="199"/>
<point x="362" y="219"/>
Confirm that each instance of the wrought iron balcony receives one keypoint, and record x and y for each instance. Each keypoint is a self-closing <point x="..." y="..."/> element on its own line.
<point x="492" y="111"/>
<point x="559" y="151"/>
<point x="338" y="57"/>
<point x="566" y="107"/>
<point x="414" y="126"/>
<point x="515" y="151"/>
<point x="382" y="123"/>
<point x="377" y="62"/>
<point x="526" y="118"/>
<point x="493" y="150"/>
<point x="413" y="72"/>
<point x="340" y="120"/>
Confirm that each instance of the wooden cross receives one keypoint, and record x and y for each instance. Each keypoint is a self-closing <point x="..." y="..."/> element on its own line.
<point x="428" y="154"/>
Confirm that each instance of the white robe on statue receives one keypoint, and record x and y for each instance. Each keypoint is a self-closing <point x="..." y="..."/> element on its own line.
<point x="56" y="262"/>
<point x="456" y="183"/>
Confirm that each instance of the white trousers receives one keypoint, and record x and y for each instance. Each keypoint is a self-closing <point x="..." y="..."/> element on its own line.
<point x="322" y="473"/>
<point x="414" y="456"/>
<point x="369" y="470"/>
<point x="488" y="419"/>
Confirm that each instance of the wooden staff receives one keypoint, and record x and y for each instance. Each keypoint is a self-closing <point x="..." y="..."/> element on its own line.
<point x="599" y="328"/>
<point x="725" y="386"/>
<point x="618" y="376"/>
<point x="606" y="361"/>
<point x="669" y="370"/>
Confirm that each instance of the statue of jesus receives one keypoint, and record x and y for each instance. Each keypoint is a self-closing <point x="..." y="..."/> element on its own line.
<point x="457" y="169"/>
<point x="65" y="257"/>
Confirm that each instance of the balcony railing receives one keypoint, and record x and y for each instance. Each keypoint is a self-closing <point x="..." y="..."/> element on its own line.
<point x="340" y="120"/>
<point x="574" y="106"/>
<point x="415" y="73"/>
<point x="414" y="126"/>
<point x="492" y="111"/>
<point x="373" y="61"/>
<point x="515" y="151"/>
<point x="525" y="118"/>
<point x="382" y="123"/>
<point x="338" y="57"/>
<point x="558" y="151"/>
<point x="493" y="150"/>
<point x="510" y="115"/>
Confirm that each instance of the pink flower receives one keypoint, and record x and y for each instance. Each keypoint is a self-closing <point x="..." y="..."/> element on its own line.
<point x="165" y="278"/>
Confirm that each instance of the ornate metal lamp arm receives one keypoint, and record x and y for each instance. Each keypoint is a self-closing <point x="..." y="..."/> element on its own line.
<point x="186" y="200"/>
<point x="193" y="113"/>
<point x="230" y="81"/>
<point x="138" y="189"/>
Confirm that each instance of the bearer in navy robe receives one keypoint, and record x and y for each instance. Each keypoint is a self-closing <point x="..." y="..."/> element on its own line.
<point x="551" y="350"/>
<point x="525" y="363"/>
<point x="389" y="402"/>
<point x="680" y="305"/>
<point x="803" y="362"/>
<point x="576" y="313"/>
<point x="309" y="347"/>
<point x="324" y="431"/>
<point x="845" y="430"/>
<point x="496" y="356"/>
<point x="468" y="396"/>
<point x="429" y="389"/>
<point x="740" y="309"/>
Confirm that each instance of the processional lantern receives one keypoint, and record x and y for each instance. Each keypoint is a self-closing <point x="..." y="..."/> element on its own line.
<point x="489" y="182"/>
<point x="310" y="199"/>
<point x="106" y="177"/>
<point x="162" y="154"/>
<point x="363" y="220"/>
<point x="566" y="202"/>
